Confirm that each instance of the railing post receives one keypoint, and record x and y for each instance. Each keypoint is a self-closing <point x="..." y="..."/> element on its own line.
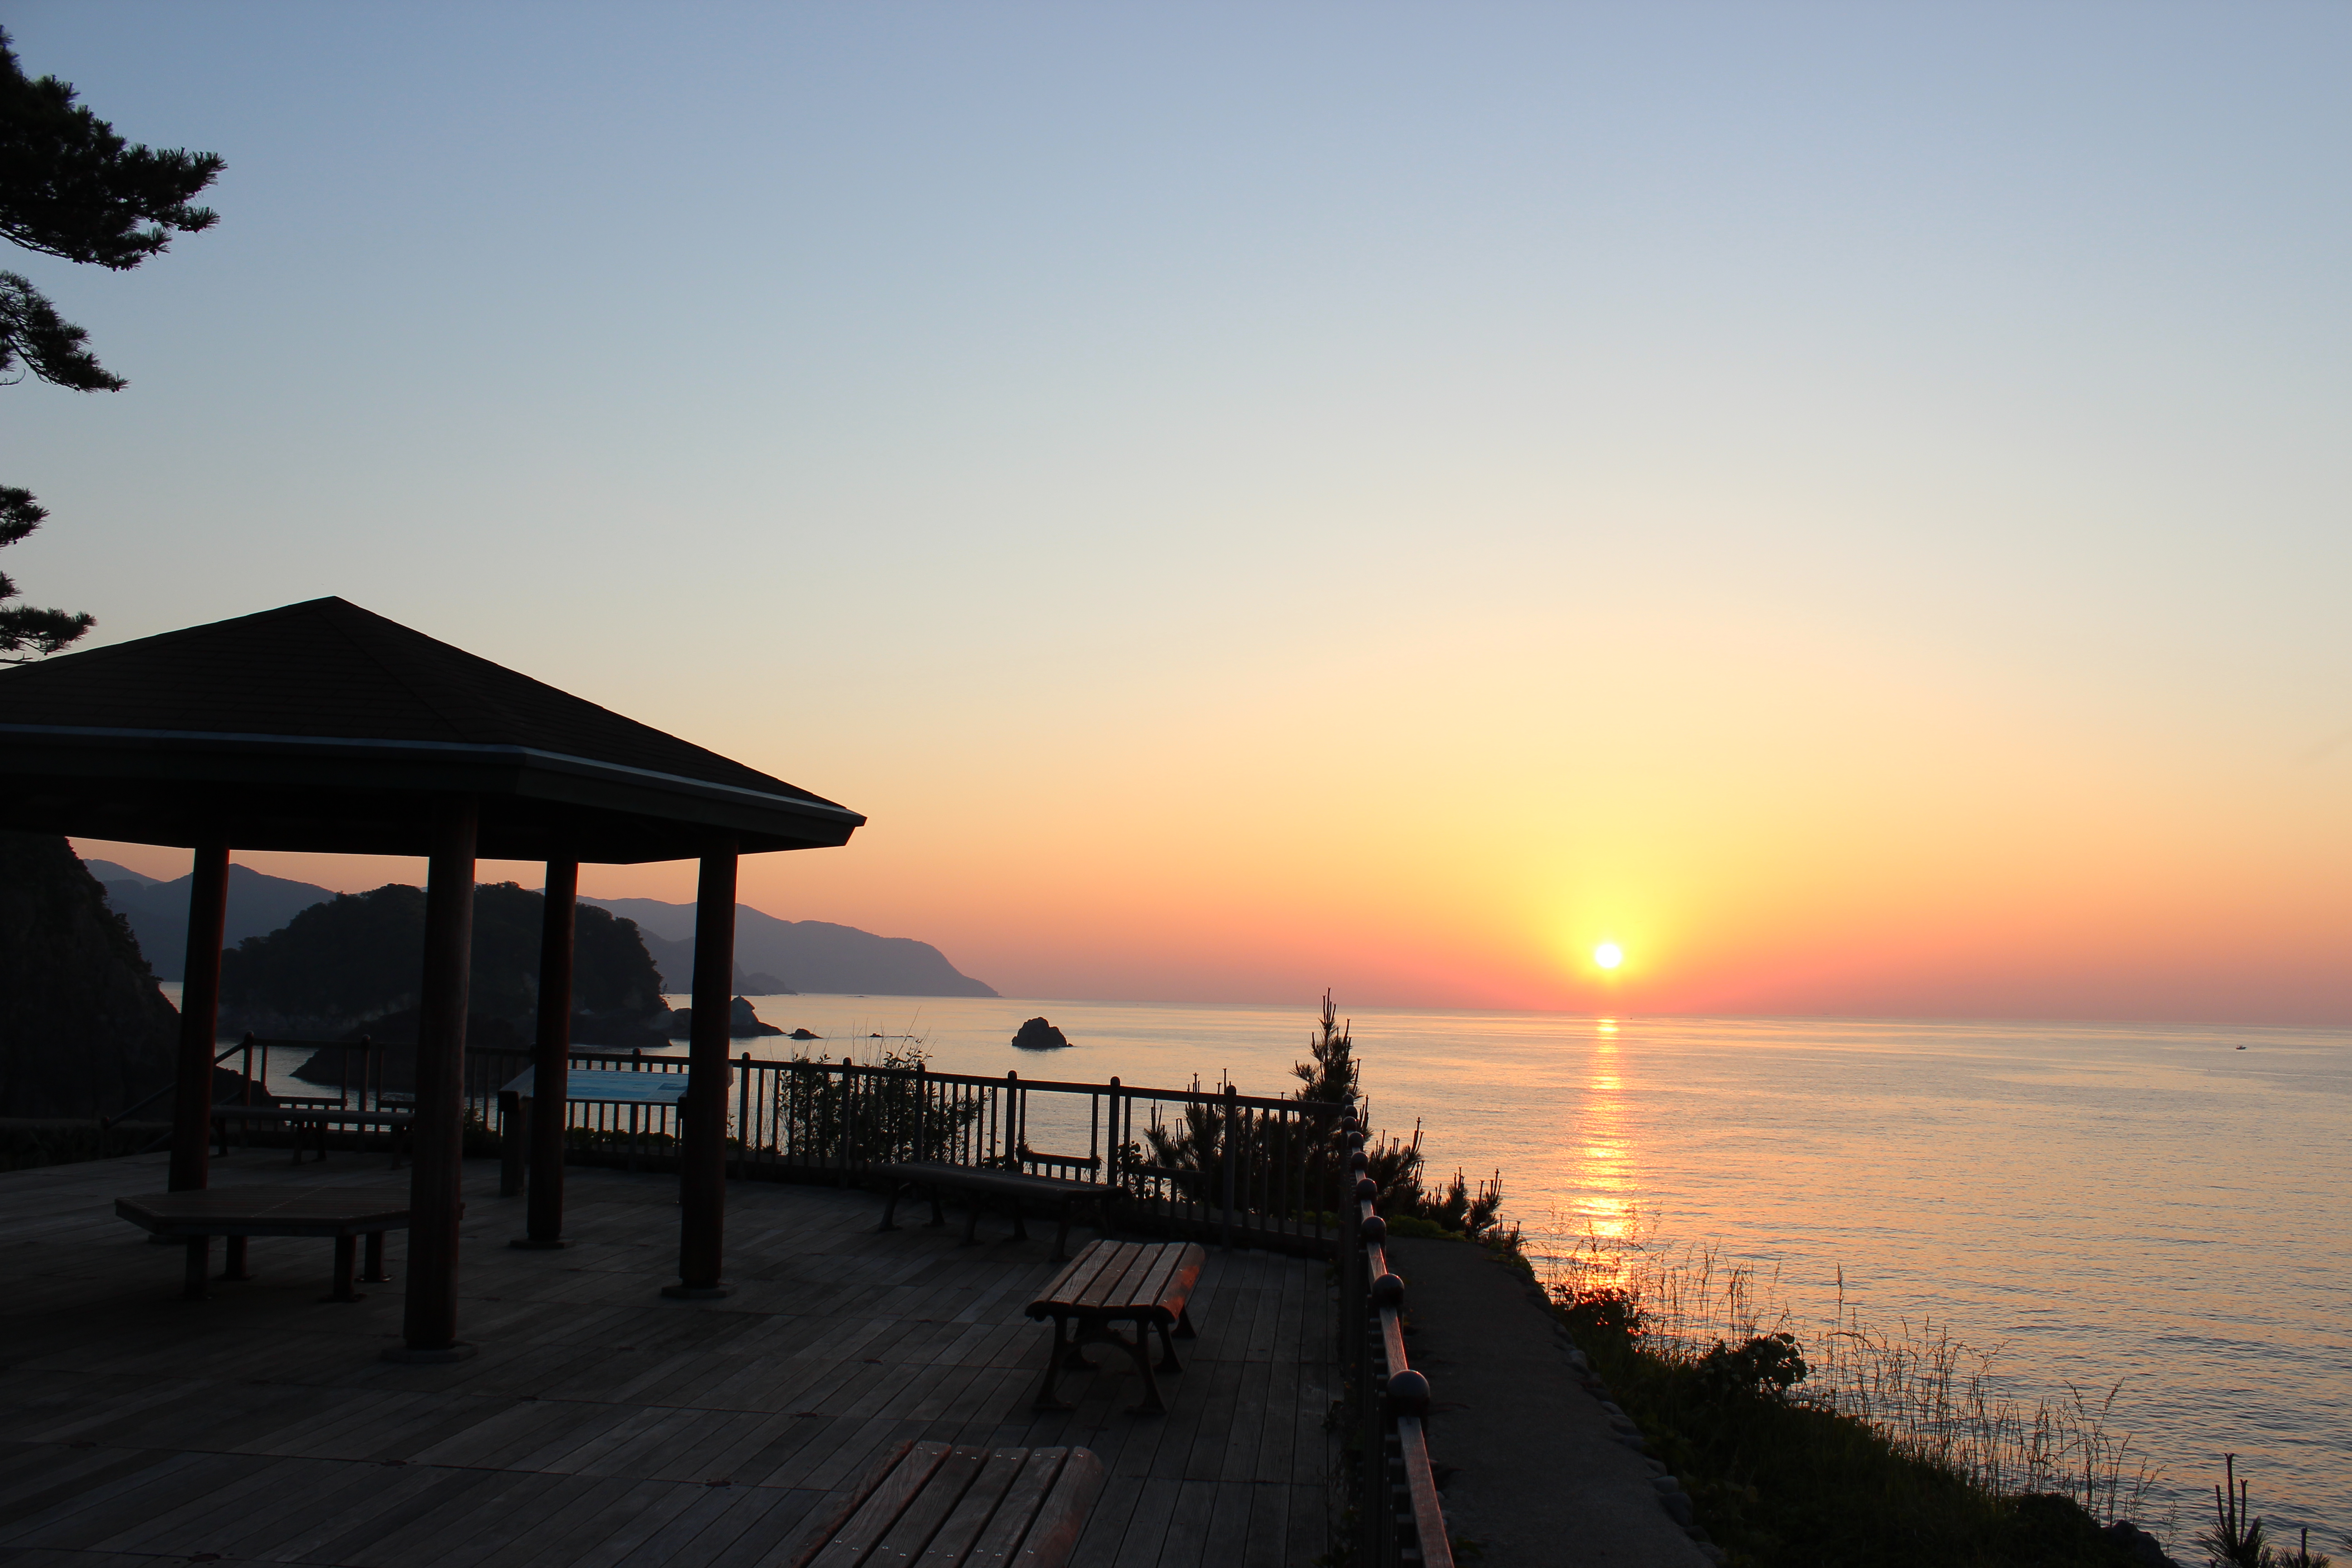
<point x="743" y="1117"/>
<point x="1010" y="1122"/>
<point x="848" y="1116"/>
<point x="1233" y="1157"/>
<point x="922" y="1120"/>
<point x="1113" y="1144"/>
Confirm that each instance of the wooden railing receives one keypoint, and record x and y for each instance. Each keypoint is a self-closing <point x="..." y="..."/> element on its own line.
<point x="1216" y="1165"/>
<point x="358" y="1086"/>
<point x="1398" y="1517"/>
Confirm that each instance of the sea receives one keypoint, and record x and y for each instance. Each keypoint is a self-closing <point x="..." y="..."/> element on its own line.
<point x="2158" y="1218"/>
<point x="2162" y="1214"/>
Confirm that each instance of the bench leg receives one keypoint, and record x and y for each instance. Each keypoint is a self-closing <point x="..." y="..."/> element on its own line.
<point x="1020" y="1223"/>
<point x="346" y="1251"/>
<point x="1184" y="1323"/>
<point x="1141" y="1351"/>
<point x="1062" y="1235"/>
<point x="200" y="1250"/>
<point x="1058" y="1353"/>
<point x="939" y="1215"/>
<point x="890" y="1210"/>
<point x="972" y="1221"/>
<point x="1168" y="1362"/>
<point x="371" y="1270"/>
<point x="233" y="1263"/>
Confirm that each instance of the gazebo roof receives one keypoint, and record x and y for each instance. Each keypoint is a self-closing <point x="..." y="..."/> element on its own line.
<point x="321" y="726"/>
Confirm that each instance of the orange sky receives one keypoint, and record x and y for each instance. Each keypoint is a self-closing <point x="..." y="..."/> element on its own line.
<point x="1769" y="820"/>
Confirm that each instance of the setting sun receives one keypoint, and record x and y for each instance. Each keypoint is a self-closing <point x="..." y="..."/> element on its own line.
<point x="1607" y="955"/>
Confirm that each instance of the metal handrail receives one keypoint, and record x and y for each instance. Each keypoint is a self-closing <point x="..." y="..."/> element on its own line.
<point x="1399" y="1518"/>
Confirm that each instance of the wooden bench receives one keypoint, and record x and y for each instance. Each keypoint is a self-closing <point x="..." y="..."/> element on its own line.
<point x="343" y="1213"/>
<point x="1143" y="1283"/>
<point x="953" y="1506"/>
<point x="318" y="1114"/>
<point x="1014" y="1185"/>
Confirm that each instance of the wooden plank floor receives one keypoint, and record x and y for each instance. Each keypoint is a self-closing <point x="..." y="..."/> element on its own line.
<point x="601" y="1425"/>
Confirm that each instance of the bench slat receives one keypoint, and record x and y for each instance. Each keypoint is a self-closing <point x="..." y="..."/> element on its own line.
<point x="1125" y="1278"/>
<point x="1002" y="1538"/>
<point x="1093" y="1266"/>
<point x="1171" y="1280"/>
<point x="846" y="1546"/>
<point x="324" y="1113"/>
<point x="960" y="1508"/>
<point x="1005" y="1182"/>
<point x="265" y="1211"/>
<point x="1053" y="1535"/>
<point x="1116" y="1284"/>
<point x="930" y="1507"/>
<point x="953" y="1543"/>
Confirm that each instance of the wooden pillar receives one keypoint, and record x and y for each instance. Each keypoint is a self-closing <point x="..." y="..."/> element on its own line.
<point x="436" y="1183"/>
<point x="551" y="1058"/>
<point x="191" y="1097"/>
<point x="702" y="1121"/>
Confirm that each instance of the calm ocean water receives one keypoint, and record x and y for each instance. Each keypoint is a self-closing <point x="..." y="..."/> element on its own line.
<point x="2099" y="1203"/>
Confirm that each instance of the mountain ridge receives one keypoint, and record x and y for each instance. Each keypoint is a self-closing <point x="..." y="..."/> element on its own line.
<point x="259" y="904"/>
<point x="806" y="955"/>
<point x="772" y="955"/>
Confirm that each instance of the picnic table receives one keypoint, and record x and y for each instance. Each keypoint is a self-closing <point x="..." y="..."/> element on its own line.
<point x="1147" y="1284"/>
<point x="954" y="1505"/>
<point x="344" y="1213"/>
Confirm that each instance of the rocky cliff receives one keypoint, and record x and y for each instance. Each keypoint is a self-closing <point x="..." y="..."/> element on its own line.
<point x="83" y="1029"/>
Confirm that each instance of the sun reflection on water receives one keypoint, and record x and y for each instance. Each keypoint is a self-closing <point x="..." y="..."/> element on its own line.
<point x="1604" y="1212"/>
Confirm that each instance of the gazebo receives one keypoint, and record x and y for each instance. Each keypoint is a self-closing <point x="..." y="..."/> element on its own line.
<point x="322" y="726"/>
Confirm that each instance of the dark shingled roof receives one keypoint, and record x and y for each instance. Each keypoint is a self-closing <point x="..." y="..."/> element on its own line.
<point x="280" y="723"/>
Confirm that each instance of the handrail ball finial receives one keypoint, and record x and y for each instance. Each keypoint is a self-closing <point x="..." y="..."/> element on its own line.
<point x="1408" y="1394"/>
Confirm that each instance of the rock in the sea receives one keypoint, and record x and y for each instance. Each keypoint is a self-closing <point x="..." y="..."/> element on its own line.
<point x="1037" y="1035"/>
<point x="806" y="1035"/>
<point x="742" y="1024"/>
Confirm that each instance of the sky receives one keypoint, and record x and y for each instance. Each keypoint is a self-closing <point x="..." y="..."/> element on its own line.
<point x="1846" y="502"/>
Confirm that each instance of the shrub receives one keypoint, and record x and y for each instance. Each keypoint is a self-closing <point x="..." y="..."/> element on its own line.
<point x="1769" y="1364"/>
<point x="1605" y="1312"/>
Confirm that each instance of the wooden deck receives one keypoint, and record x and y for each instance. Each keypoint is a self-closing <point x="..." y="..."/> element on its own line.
<point x="601" y="1424"/>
